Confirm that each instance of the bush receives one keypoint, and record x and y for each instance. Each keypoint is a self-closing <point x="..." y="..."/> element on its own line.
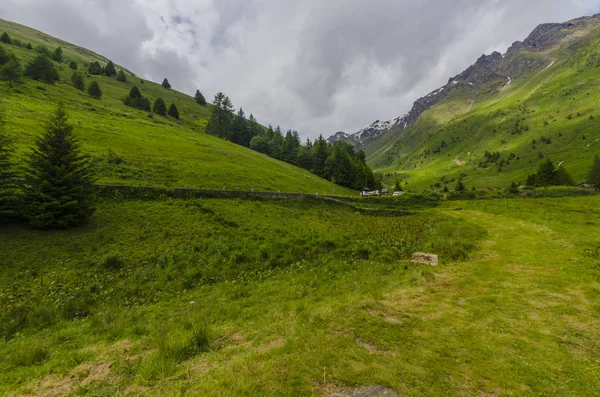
<point x="94" y="90"/>
<point x="73" y="65"/>
<point x="113" y="261"/>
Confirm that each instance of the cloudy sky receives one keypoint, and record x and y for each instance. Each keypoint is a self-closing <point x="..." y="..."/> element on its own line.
<point x="312" y="65"/>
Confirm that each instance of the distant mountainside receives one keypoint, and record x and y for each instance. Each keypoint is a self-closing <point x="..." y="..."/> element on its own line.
<point x="132" y="146"/>
<point x="495" y="82"/>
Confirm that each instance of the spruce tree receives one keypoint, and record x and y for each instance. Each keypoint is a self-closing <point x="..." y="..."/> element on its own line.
<point x="563" y="178"/>
<point x="398" y="186"/>
<point x="200" y="98"/>
<point x="5" y="38"/>
<point x="173" y="112"/>
<point x="594" y="174"/>
<point x="59" y="190"/>
<point x="78" y="82"/>
<point x="110" y="70"/>
<point x="166" y="84"/>
<point x="42" y="69"/>
<point x="221" y="118"/>
<point x="121" y="76"/>
<point x="95" y="69"/>
<point x="57" y="55"/>
<point x="546" y="175"/>
<point x="94" y="90"/>
<point x="160" y="107"/>
<point x="135" y="93"/>
<point x="8" y="187"/>
<point x="11" y="72"/>
<point x="73" y="65"/>
<point x="29" y="46"/>
<point x="460" y="186"/>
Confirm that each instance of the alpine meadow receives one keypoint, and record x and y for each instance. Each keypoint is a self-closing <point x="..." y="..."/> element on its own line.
<point x="163" y="243"/>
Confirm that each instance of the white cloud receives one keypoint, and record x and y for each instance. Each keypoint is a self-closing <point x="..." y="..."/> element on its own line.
<point x="315" y="66"/>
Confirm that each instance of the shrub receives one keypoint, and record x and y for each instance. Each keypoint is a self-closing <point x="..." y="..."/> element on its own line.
<point x="160" y="107"/>
<point x="73" y="65"/>
<point x="121" y="76"/>
<point x="112" y="261"/>
<point x="173" y="112"/>
<point x="78" y="82"/>
<point x="94" y="90"/>
<point x="5" y="38"/>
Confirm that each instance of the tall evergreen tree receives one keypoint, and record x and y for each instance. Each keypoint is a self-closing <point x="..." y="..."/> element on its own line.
<point x="594" y="174"/>
<point x="78" y="82"/>
<point x="546" y="175"/>
<point x="320" y="155"/>
<point x="173" y="112"/>
<point x="11" y="72"/>
<point x="160" y="107"/>
<point x="57" y="55"/>
<point x="8" y="186"/>
<point x="563" y="178"/>
<point x="94" y="90"/>
<point x="166" y="84"/>
<point x="95" y="69"/>
<point x="110" y="70"/>
<point x="135" y="93"/>
<point x="121" y="76"/>
<point x="200" y="100"/>
<point x="238" y="128"/>
<point x="221" y="118"/>
<point x="5" y="38"/>
<point x="59" y="190"/>
<point x="42" y="69"/>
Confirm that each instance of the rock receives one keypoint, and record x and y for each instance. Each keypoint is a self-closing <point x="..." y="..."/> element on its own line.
<point x="425" y="259"/>
<point x="372" y="391"/>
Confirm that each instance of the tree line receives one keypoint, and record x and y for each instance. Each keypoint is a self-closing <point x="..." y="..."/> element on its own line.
<point x="339" y="163"/>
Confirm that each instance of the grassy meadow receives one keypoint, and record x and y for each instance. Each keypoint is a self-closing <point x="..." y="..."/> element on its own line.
<point x="129" y="147"/>
<point x="287" y="298"/>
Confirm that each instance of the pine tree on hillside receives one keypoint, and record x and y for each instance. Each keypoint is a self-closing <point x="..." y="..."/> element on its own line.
<point x="110" y="70"/>
<point x="563" y="178"/>
<point x="135" y="93"/>
<point x="166" y="84"/>
<point x="5" y="38"/>
<point x="546" y="175"/>
<point x="11" y="72"/>
<point x="42" y="69"/>
<point x="460" y="186"/>
<point x="57" y="55"/>
<point x="95" y="69"/>
<point x="160" y="107"/>
<point x="121" y="76"/>
<point x="594" y="174"/>
<point x="78" y="82"/>
<point x="398" y="186"/>
<point x="173" y="112"/>
<point x="8" y="187"/>
<point x="320" y="155"/>
<point x="94" y="90"/>
<point x="73" y="65"/>
<point x="59" y="190"/>
<point x="29" y="46"/>
<point x="221" y="118"/>
<point x="238" y="128"/>
<point x="200" y="98"/>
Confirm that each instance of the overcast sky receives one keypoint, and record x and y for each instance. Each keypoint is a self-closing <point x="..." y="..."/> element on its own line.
<point x="317" y="66"/>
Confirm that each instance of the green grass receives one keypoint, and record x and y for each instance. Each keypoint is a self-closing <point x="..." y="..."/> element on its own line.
<point x="305" y="311"/>
<point x="131" y="148"/>
<point x="561" y="104"/>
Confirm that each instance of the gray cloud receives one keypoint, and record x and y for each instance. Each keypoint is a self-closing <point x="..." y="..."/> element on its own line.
<point x="316" y="66"/>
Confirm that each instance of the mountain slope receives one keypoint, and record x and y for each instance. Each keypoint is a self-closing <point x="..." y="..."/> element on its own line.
<point x="130" y="147"/>
<point x="543" y="89"/>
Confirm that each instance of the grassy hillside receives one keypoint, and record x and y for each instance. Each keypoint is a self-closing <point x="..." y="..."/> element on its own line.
<point x="245" y="298"/>
<point x="132" y="148"/>
<point x="557" y="107"/>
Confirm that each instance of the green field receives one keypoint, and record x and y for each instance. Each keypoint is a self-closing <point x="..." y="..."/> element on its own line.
<point x="231" y="297"/>
<point x="557" y="107"/>
<point x="131" y="148"/>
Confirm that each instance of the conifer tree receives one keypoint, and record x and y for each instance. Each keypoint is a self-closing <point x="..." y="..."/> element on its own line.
<point x="8" y="187"/>
<point x="546" y="175"/>
<point x="200" y="98"/>
<point x="594" y="174"/>
<point x="94" y="90"/>
<point x="222" y="115"/>
<point x="460" y="186"/>
<point x="11" y="72"/>
<point x="121" y="76"/>
<point x="135" y="93"/>
<point x="238" y="128"/>
<point x="173" y="112"/>
<point x="42" y="69"/>
<point x="29" y="46"/>
<point x="78" y="82"/>
<point x="59" y="190"/>
<point x="563" y="178"/>
<point x="57" y="55"/>
<point x="166" y="84"/>
<point x="160" y="107"/>
<point x="73" y="65"/>
<point x="110" y="70"/>
<point x="95" y="69"/>
<point x="398" y="186"/>
<point x="5" y="38"/>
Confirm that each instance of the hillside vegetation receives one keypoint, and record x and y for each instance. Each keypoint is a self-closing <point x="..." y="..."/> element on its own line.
<point x="129" y="146"/>
<point x="551" y="109"/>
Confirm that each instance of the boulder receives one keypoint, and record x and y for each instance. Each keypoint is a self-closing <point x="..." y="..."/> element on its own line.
<point x="425" y="259"/>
